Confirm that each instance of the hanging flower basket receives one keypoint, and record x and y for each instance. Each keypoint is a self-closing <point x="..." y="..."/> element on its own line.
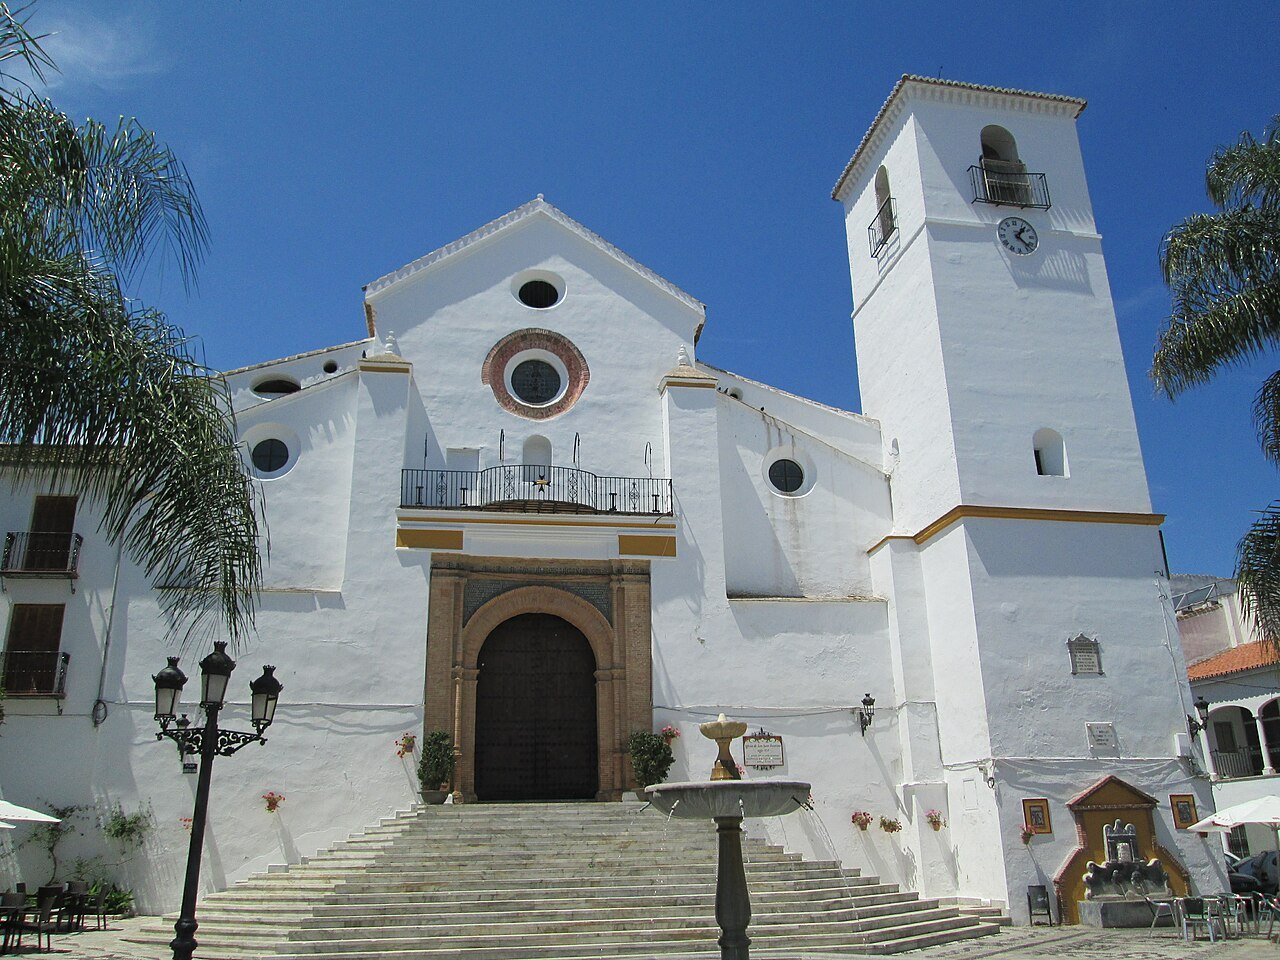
<point x="890" y="825"/>
<point x="861" y="819"/>
<point x="935" y="819"/>
<point x="406" y="745"/>
<point x="273" y="800"/>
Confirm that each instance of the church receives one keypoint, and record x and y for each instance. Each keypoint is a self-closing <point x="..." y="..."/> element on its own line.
<point x="523" y="509"/>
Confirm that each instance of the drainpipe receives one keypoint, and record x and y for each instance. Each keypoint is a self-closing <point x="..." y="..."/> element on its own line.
<point x="99" y="714"/>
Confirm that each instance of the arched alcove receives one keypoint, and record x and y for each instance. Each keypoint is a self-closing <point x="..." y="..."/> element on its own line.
<point x="999" y="144"/>
<point x="536" y="456"/>
<point x="884" y="206"/>
<point x="1050" y="453"/>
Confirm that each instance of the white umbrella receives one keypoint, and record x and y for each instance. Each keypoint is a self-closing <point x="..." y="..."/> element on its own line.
<point x="1264" y="811"/>
<point x="6" y="826"/>
<point x="11" y="811"/>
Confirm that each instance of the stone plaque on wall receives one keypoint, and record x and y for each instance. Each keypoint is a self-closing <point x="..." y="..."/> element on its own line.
<point x="1102" y="736"/>
<point x="1086" y="656"/>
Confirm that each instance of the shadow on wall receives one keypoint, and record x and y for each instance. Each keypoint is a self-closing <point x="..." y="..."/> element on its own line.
<point x="1058" y="269"/>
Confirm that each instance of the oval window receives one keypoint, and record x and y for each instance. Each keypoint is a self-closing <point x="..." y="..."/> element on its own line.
<point x="277" y="387"/>
<point x="270" y="455"/>
<point x="538" y="294"/>
<point x="535" y="382"/>
<point x="786" y="475"/>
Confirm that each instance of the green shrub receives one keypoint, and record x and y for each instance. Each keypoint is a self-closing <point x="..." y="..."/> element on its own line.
<point x="651" y="757"/>
<point x="436" y="765"/>
<point x="128" y="828"/>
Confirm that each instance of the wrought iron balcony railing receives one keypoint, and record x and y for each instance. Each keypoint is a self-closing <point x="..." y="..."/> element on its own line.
<point x="1234" y="764"/>
<point x="998" y="181"/>
<point x="35" y="673"/>
<point x="38" y="554"/>
<point x="534" y="488"/>
<point x="882" y="227"/>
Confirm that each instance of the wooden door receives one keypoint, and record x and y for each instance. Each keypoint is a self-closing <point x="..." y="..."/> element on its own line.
<point x="52" y="525"/>
<point x="536" y="712"/>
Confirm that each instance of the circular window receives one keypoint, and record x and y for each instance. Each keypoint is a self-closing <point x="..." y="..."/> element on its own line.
<point x="786" y="475"/>
<point x="331" y="366"/>
<point x="538" y="294"/>
<point x="270" y="455"/>
<point x="535" y="382"/>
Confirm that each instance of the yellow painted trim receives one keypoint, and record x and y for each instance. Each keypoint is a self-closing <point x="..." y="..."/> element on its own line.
<point x="636" y="546"/>
<point x="521" y="521"/>
<point x="367" y="366"/>
<point x="430" y="539"/>
<point x="696" y="384"/>
<point x="1023" y="513"/>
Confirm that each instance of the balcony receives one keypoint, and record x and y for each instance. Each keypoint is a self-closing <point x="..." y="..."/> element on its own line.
<point x="882" y="227"/>
<point x="1008" y="184"/>
<point x="37" y="554"/>
<point x="1237" y="764"/>
<point x="35" y="673"/>
<point x="534" y="488"/>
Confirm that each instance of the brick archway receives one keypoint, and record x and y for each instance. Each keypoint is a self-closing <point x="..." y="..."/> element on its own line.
<point x="616" y="625"/>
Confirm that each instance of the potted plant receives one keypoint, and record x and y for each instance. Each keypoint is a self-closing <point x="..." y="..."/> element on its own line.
<point x="273" y="800"/>
<point x="935" y="819"/>
<point x="1027" y="835"/>
<point x="406" y="745"/>
<point x="861" y="819"/>
<point x="651" y="756"/>
<point x="890" y="824"/>
<point x="435" y="768"/>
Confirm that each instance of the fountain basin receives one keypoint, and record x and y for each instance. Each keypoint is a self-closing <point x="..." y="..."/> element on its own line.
<point x="706" y="799"/>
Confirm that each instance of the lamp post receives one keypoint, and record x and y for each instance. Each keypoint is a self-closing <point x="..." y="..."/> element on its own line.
<point x="208" y="741"/>
<point x="1202" y="710"/>
<point x="867" y="712"/>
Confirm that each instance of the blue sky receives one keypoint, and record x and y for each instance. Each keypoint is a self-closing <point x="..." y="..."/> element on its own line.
<point x="333" y="142"/>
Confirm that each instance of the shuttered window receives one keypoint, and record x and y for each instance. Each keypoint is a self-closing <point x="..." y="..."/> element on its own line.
<point x="31" y="660"/>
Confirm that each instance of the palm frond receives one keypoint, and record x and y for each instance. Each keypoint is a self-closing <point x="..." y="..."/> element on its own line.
<point x="1247" y="172"/>
<point x="1258" y="574"/>
<point x="20" y="44"/>
<point x="1266" y="417"/>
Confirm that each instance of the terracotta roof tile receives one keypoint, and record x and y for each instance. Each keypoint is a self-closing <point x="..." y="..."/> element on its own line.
<point x="1247" y="656"/>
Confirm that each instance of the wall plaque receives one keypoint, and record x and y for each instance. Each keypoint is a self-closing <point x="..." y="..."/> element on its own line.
<point x="1102" y="736"/>
<point x="1035" y="815"/>
<point x="762" y="750"/>
<point x="1086" y="656"/>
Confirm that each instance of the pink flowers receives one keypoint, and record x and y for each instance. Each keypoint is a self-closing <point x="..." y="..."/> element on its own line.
<point x="273" y="800"/>
<point x="862" y="819"/>
<point x="669" y="733"/>
<point x="935" y="819"/>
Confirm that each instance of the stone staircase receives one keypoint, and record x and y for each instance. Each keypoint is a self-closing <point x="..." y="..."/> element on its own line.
<point x="568" y="881"/>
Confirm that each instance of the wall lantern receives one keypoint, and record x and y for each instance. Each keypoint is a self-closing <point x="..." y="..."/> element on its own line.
<point x="266" y="691"/>
<point x="215" y="673"/>
<point x="169" y="683"/>
<point x="867" y="712"/>
<point x="1202" y="710"/>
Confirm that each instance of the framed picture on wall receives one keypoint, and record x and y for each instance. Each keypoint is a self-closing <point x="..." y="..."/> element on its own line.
<point x="1035" y="816"/>
<point x="1184" y="810"/>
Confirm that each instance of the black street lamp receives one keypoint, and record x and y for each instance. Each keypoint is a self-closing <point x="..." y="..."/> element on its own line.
<point x="1202" y="710"/>
<point x="866" y="712"/>
<point x="208" y="741"/>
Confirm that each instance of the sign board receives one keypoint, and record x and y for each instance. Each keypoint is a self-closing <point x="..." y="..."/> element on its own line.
<point x="189" y="766"/>
<point x="762" y="750"/>
<point x="1102" y="736"/>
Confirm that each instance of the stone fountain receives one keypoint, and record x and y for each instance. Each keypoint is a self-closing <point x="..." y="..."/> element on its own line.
<point x="727" y="799"/>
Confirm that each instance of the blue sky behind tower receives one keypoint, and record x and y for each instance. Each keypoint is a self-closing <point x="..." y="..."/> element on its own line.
<point x="333" y="142"/>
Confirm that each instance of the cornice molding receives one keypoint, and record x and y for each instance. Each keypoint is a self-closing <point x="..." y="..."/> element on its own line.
<point x="969" y="511"/>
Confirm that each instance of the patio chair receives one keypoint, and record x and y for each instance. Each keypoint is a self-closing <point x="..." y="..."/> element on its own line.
<point x="1226" y="909"/>
<point x="1161" y="907"/>
<point x="1268" y="907"/>
<point x="42" y="919"/>
<point x="13" y="907"/>
<point x="1195" y="914"/>
<point x="99" y="903"/>
<point x="75" y="903"/>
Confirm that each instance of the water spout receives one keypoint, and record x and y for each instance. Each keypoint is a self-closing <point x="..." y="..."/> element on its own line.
<point x="672" y="812"/>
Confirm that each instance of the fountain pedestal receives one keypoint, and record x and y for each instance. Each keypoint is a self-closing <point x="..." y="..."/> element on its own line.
<point x="728" y="801"/>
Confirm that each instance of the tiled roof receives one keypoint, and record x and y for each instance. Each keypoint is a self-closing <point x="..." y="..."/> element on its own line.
<point x="1247" y="656"/>
<point x="938" y="82"/>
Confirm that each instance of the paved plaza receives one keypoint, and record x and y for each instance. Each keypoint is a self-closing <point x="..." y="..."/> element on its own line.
<point x="1014" y="943"/>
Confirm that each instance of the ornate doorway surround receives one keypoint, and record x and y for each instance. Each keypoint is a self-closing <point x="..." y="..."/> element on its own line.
<point x="608" y="600"/>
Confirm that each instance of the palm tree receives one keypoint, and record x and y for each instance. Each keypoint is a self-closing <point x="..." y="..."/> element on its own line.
<point x="99" y="396"/>
<point x="1224" y="271"/>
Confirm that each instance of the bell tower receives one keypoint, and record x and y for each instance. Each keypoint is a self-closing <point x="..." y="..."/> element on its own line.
<point x="986" y="338"/>
<point x="987" y="348"/>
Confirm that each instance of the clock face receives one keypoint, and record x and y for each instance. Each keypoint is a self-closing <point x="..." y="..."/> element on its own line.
<point x="1017" y="235"/>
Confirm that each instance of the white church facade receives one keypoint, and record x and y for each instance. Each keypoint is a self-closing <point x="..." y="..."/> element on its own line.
<point x="524" y="510"/>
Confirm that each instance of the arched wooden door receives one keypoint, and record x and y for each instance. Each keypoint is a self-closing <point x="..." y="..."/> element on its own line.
<point x="536" y="712"/>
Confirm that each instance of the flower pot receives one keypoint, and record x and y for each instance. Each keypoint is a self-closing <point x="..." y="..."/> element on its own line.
<point x="862" y="827"/>
<point x="434" y="796"/>
<point x="936" y="827"/>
